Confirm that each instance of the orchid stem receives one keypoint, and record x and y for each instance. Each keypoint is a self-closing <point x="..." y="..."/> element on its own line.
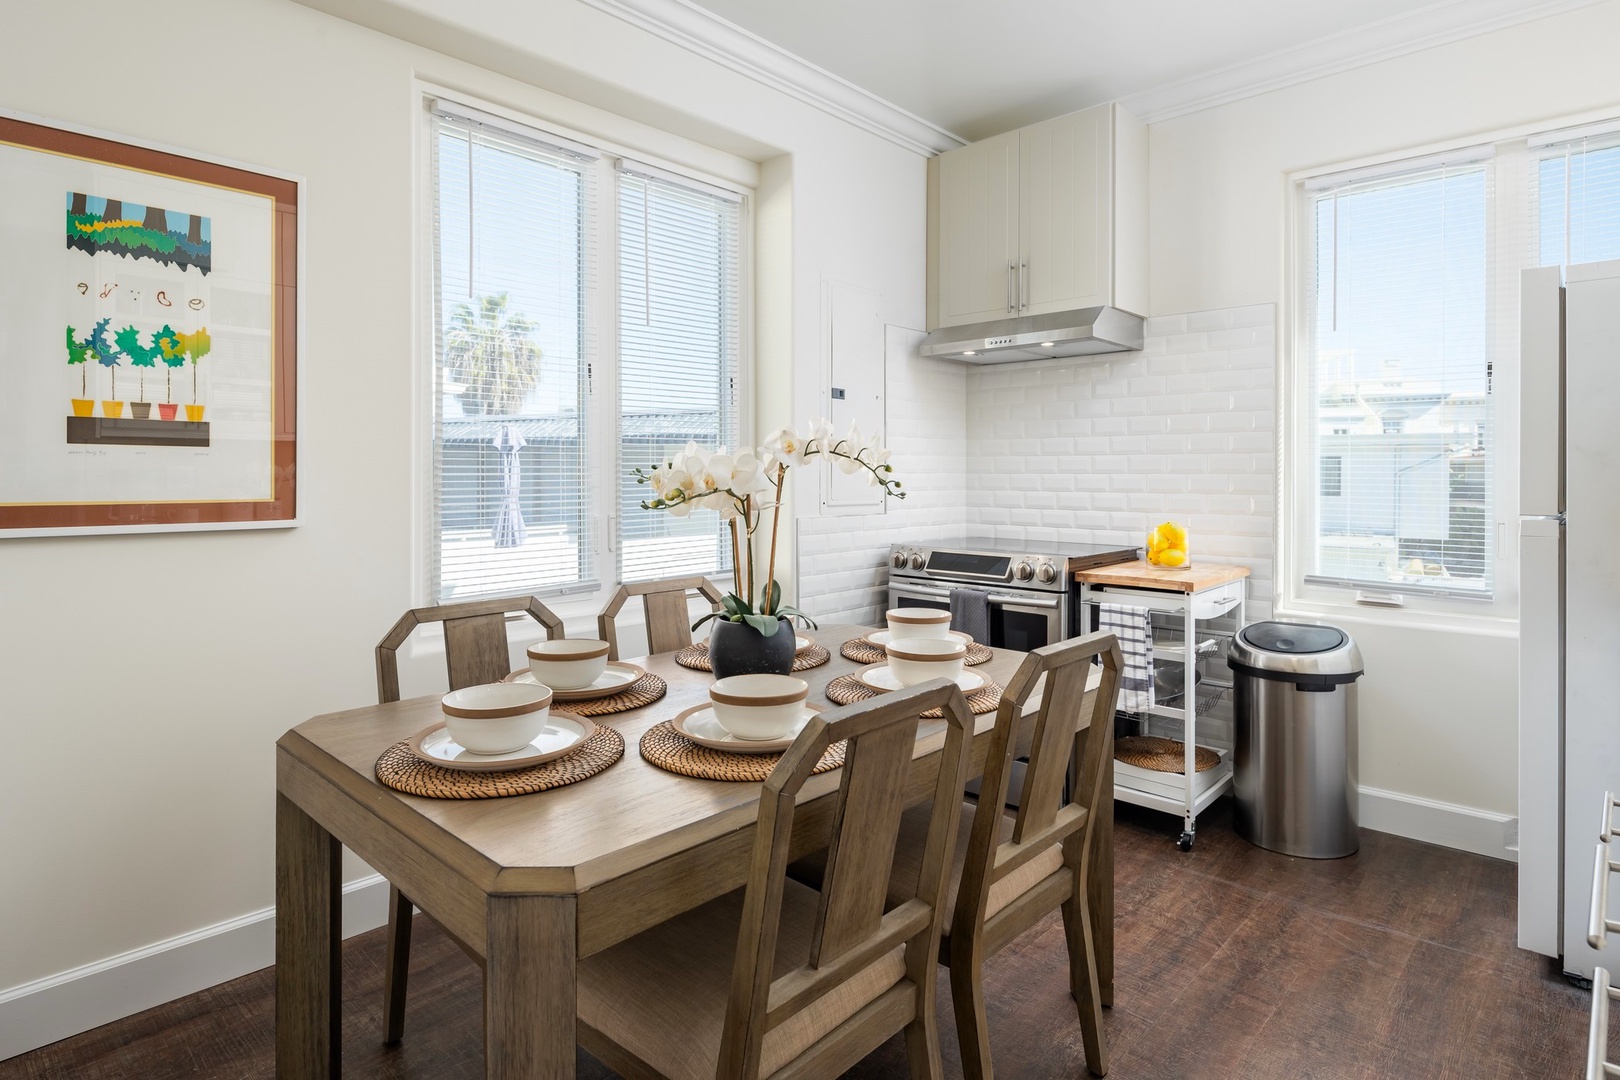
<point x="776" y="520"/>
<point x="748" y="511"/>
<point x="736" y="560"/>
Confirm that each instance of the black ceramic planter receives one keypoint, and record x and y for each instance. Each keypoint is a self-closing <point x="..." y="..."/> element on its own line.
<point x="735" y="648"/>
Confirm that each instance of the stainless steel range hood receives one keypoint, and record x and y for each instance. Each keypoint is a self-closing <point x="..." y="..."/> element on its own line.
<point x="1082" y="332"/>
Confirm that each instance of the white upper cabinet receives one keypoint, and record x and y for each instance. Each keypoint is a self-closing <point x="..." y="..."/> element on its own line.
<point x="978" y="195"/>
<point x="1047" y="218"/>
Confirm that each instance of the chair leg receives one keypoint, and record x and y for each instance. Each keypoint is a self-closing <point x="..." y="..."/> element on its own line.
<point x="972" y="1029"/>
<point x="922" y="1041"/>
<point x="396" y="965"/>
<point x="1083" y="980"/>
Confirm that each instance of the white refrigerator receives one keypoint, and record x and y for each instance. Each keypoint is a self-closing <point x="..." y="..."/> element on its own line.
<point x="1569" y="625"/>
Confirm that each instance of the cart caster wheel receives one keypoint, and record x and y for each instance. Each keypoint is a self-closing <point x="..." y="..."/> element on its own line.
<point x="1185" y="841"/>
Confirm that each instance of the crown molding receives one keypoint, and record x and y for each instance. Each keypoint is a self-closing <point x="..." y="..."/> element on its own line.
<point x="701" y="31"/>
<point x="1399" y="35"/>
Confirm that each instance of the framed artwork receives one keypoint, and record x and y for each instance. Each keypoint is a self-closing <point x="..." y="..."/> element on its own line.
<point x="148" y="338"/>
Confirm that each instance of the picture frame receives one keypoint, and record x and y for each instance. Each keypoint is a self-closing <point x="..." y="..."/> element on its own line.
<point x="149" y="338"/>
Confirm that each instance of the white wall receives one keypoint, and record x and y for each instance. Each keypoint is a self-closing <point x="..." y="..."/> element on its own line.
<point x="147" y="678"/>
<point x="1438" y="711"/>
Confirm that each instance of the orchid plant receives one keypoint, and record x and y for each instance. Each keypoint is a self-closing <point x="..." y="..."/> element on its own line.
<point x="743" y="487"/>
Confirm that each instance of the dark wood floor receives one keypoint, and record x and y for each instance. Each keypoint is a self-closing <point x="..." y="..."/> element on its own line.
<point x="1398" y="962"/>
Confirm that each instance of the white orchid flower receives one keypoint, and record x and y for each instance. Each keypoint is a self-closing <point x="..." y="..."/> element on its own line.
<point x="715" y="475"/>
<point x="784" y="447"/>
<point x="846" y="449"/>
<point x="818" y="436"/>
<point x="749" y="475"/>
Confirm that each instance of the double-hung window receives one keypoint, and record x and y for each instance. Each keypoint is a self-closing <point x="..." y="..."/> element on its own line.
<point x="1576" y="193"/>
<point x="587" y="320"/>
<point x="1396" y="427"/>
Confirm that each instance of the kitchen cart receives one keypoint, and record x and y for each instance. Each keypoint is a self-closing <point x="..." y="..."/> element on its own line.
<point x="1186" y="605"/>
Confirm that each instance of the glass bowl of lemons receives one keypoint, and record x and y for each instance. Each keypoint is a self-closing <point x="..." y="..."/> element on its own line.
<point x="1167" y="547"/>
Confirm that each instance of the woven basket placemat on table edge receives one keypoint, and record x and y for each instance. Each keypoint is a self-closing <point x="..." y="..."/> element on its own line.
<point x="671" y="751"/>
<point x="696" y="657"/>
<point x="644" y="691"/>
<point x="848" y="689"/>
<point x="1162" y="755"/>
<point x="863" y="651"/>
<point x="402" y="770"/>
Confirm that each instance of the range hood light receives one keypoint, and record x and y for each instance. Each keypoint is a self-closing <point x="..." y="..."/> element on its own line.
<point x="1047" y="344"/>
<point x="970" y="352"/>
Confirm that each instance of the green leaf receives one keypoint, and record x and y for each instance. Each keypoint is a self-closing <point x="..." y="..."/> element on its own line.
<point x="735" y="605"/>
<point x="765" y="624"/>
<point x="706" y="618"/>
<point x="773" y="597"/>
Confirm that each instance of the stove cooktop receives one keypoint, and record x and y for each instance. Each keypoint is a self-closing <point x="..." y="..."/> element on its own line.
<point x="983" y="561"/>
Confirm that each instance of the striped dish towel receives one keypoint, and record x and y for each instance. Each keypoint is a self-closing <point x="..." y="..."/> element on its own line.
<point x="1130" y="626"/>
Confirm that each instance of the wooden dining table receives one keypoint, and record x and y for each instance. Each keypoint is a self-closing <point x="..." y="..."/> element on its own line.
<point x="529" y="884"/>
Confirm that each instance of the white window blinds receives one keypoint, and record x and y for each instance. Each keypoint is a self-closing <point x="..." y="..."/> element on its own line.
<point x="680" y="331"/>
<point x="1575" y="186"/>
<point x="513" y="266"/>
<point x="1395" y="337"/>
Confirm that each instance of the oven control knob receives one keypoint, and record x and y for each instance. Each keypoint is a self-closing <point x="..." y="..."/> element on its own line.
<point x="915" y="562"/>
<point x="1046" y="573"/>
<point x="899" y="560"/>
<point x="1023" y="571"/>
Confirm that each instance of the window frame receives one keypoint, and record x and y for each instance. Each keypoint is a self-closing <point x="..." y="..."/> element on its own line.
<point x="601" y="313"/>
<point x="1299" y="592"/>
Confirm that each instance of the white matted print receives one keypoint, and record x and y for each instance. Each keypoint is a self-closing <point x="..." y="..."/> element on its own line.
<point x="147" y="317"/>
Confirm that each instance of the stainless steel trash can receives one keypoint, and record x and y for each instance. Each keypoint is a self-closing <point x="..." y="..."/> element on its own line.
<point x="1294" y="759"/>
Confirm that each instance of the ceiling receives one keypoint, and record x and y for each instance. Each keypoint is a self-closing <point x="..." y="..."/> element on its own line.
<point x="979" y="67"/>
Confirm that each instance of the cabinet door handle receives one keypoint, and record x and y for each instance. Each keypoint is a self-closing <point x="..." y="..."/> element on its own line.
<point x="1012" y="273"/>
<point x="1023" y="285"/>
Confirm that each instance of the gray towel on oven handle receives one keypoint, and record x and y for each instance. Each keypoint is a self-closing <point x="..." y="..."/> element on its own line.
<point x="1131" y="627"/>
<point x="970" y="613"/>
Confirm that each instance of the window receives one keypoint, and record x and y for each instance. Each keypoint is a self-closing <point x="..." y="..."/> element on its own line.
<point x="1577" y="199"/>
<point x="552" y="380"/>
<point x="1395" y="380"/>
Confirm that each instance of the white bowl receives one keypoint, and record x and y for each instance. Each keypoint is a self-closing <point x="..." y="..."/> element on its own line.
<point x="907" y="624"/>
<point x="759" y="706"/>
<point x="497" y="718"/>
<point x="916" y="660"/>
<point x="568" y="663"/>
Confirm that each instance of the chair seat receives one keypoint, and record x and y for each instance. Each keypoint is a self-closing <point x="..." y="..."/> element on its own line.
<point x="662" y="994"/>
<point x="908" y="851"/>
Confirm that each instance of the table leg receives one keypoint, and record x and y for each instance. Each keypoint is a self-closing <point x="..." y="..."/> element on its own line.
<point x="529" y="988"/>
<point x="1100" y="888"/>
<point x="309" y="927"/>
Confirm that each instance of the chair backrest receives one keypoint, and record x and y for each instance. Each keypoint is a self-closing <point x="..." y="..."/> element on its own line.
<point x="669" y="626"/>
<point x="1051" y="831"/>
<point x="475" y="647"/>
<point x="875" y="968"/>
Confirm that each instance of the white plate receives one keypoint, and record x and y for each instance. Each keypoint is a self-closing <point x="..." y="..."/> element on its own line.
<point x="563" y="734"/>
<point x="879" y="677"/>
<point x="618" y="676"/>
<point x="802" y="642"/>
<point x="880" y="638"/>
<point x="699" y="725"/>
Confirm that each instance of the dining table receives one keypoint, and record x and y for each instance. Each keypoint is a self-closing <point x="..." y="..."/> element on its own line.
<point x="528" y="885"/>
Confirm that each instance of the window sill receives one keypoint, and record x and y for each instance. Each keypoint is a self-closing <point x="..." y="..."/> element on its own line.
<point x="1426" y="616"/>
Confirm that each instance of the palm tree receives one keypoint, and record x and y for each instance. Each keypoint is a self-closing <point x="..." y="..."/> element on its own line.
<point x="491" y="353"/>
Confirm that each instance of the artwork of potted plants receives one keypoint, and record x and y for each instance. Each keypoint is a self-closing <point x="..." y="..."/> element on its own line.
<point x="142" y="357"/>
<point x="80" y="352"/>
<point x="107" y="355"/>
<point x="741" y="487"/>
<point x="173" y="355"/>
<point x="194" y="347"/>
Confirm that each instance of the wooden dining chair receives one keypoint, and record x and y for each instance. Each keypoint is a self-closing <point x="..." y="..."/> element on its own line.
<point x="775" y="979"/>
<point x="669" y="623"/>
<point x="1009" y="873"/>
<point x="476" y="651"/>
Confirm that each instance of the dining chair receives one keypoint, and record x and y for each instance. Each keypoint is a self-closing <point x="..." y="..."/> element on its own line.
<point x="778" y="980"/>
<point x="476" y="651"/>
<point x="669" y="624"/>
<point x="1009" y="873"/>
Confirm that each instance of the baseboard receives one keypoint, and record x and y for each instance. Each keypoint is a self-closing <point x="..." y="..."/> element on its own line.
<point x="46" y="1010"/>
<point x="1446" y="824"/>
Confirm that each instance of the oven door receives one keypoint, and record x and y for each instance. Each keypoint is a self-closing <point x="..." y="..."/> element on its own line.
<point x="1026" y="622"/>
<point x="1021" y="621"/>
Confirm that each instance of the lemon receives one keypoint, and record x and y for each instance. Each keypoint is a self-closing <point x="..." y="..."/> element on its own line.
<point x="1172" y="557"/>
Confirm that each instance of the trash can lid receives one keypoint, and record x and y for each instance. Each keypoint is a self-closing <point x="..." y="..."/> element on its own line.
<point x="1295" y="649"/>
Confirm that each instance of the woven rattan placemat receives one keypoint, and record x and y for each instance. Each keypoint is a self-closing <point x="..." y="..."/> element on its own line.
<point x="402" y="770"/>
<point x="863" y="651"/>
<point x="644" y="691"/>
<point x="1162" y="755"/>
<point x="696" y="657"/>
<point x="848" y="689"/>
<point x="671" y="751"/>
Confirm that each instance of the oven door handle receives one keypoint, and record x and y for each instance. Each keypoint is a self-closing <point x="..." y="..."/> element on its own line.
<point x="1023" y="601"/>
<point x="920" y="591"/>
